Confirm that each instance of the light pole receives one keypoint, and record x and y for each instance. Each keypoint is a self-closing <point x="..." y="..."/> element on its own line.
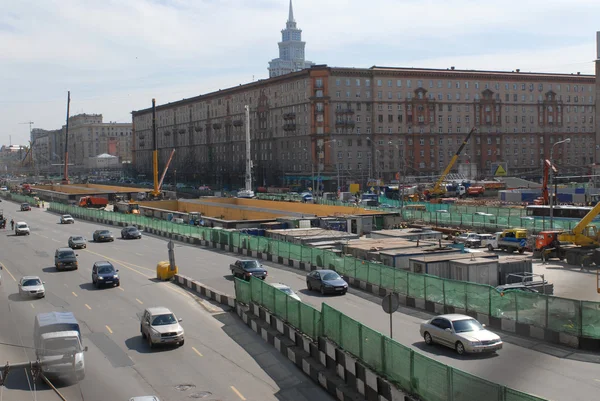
<point x="555" y="183"/>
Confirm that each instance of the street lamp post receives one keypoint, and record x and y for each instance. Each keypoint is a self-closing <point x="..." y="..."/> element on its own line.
<point x="555" y="182"/>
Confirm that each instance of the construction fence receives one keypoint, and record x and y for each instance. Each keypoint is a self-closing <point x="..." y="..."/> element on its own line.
<point x="563" y="315"/>
<point x="409" y="370"/>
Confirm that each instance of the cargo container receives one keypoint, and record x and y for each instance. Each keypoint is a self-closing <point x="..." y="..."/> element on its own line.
<point x="438" y="265"/>
<point x="476" y="270"/>
<point x="399" y="258"/>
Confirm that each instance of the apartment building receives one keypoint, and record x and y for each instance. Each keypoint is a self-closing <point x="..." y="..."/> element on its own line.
<point x="375" y="123"/>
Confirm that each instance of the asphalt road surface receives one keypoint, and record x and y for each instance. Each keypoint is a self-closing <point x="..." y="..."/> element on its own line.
<point x="222" y="358"/>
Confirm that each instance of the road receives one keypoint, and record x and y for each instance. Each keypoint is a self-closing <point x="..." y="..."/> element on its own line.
<point x="538" y="368"/>
<point x="222" y="358"/>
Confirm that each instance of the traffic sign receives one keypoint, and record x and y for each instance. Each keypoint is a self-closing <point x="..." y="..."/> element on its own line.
<point x="500" y="171"/>
<point x="390" y="303"/>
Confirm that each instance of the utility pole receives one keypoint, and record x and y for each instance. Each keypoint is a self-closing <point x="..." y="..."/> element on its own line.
<point x="66" y="170"/>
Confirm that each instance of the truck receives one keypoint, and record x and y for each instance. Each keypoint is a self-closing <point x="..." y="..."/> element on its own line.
<point x="130" y="207"/>
<point x="95" y="202"/>
<point x="59" y="346"/>
<point x="512" y="239"/>
<point x="475" y="191"/>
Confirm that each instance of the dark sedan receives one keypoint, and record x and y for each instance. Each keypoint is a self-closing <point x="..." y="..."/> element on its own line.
<point x="104" y="273"/>
<point x="248" y="268"/>
<point x="103" y="236"/>
<point x="131" y="232"/>
<point x="77" y="242"/>
<point x="327" y="281"/>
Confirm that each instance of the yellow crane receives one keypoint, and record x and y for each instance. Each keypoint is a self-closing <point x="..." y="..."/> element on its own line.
<point x="439" y="190"/>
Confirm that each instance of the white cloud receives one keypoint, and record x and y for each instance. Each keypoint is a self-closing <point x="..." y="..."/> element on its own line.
<point x="116" y="55"/>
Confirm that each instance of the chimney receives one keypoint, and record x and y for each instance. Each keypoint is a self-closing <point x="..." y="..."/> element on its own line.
<point x="452" y="68"/>
<point x="518" y="70"/>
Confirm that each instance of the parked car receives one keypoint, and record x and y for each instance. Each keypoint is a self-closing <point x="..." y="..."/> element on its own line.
<point x="247" y="268"/>
<point x="21" y="228"/>
<point x="32" y="286"/>
<point x="25" y="207"/>
<point x="461" y="333"/>
<point x="287" y="290"/>
<point x="462" y="238"/>
<point x="489" y="241"/>
<point x="160" y="326"/>
<point x="77" y="242"/>
<point x="65" y="258"/>
<point x="131" y="232"/>
<point x="104" y="273"/>
<point x="67" y="219"/>
<point x="103" y="236"/>
<point x="326" y="281"/>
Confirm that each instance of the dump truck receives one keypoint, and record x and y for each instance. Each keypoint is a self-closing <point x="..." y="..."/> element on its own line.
<point x="95" y="202"/>
<point x="513" y="239"/>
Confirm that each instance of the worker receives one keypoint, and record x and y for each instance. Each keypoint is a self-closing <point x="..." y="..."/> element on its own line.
<point x="12" y="224"/>
<point x="42" y="204"/>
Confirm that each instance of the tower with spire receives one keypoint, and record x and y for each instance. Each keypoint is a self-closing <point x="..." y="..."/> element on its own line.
<point x="291" y="50"/>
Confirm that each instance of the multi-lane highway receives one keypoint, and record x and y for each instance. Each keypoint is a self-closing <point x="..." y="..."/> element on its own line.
<point x="222" y="359"/>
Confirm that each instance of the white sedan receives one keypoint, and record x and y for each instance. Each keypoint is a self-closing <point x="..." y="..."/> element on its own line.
<point x="461" y="333"/>
<point x="32" y="286"/>
<point x="287" y="290"/>
<point x="67" y="219"/>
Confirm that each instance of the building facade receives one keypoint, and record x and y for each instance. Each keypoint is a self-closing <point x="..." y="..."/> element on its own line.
<point x="89" y="136"/>
<point x="291" y="50"/>
<point x="358" y="125"/>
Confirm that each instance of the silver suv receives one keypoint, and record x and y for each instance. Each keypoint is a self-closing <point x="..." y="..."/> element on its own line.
<point x="21" y="228"/>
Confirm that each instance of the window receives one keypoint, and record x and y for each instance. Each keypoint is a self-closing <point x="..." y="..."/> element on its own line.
<point x="399" y="83"/>
<point x="379" y="82"/>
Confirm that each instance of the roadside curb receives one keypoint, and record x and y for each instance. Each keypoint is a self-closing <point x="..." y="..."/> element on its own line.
<point x="339" y="373"/>
<point x="498" y="323"/>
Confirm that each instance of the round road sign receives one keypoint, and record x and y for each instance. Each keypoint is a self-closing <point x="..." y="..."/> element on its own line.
<point x="390" y="303"/>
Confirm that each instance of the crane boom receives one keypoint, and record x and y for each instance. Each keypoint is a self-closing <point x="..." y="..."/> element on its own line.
<point x="436" y="189"/>
<point x="587" y="219"/>
<point x="162" y="177"/>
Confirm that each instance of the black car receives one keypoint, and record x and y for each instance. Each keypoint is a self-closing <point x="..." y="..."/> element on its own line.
<point x="103" y="236"/>
<point x="131" y="232"/>
<point x="104" y="273"/>
<point x="77" y="242"/>
<point x="247" y="268"/>
<point x="65" y="258"/>
<point x="327" y="281"/>
<point x="25" y="207"/>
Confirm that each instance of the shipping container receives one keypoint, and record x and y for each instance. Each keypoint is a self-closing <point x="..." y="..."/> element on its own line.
<point x="438" y="265"/>
<point x="477" y="270"/>
<point x="400" y="258"/>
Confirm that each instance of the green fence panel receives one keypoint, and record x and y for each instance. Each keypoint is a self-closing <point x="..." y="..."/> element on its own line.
<point x="590" y="319"/>
<point x="374" y="273"/>
<point x="466" y="387"/>
<point x="456" y="293"/>
<point x="564" y="315"/>
<point x="329" y="262"/>
<point x="416" y="285"/>
<point x="225" y="237"/>
<point x="295" y="252"/>
<point x="430" y="379"/>
<point x="387" y="277"/>
<point x="350" y="266"/>
<point x="514" y="395"/>
<point x="362" y="270"/>
<point x="372" y="348"/>
<point x="401" y="281"/>
<point x="256" y="286"/>
<point x="243" y="291"/>
<point x="265" y="245"/>
<point x="283" y="249"/>
<point x="280" y="307"/>
<point x="503" y="305"/>
<point x="332" y="327"/>
<point x="434" y="289"/>
<point x="268" y="296"/>
<point x="397" y="362"/>
<point x="235" y="237"/>
<point x="350" y="335"/>
<point x="531" y="308"/>
<point x="253" y="243"/>
<point x="306" y="254"/>
<point x="310" y="320"/>
<point x="317" y="257"/>
<point x="293" y="312"/>
<point x="478" y="297"/>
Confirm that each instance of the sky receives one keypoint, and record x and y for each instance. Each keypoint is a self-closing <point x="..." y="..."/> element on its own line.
<point x="115" y="55"/>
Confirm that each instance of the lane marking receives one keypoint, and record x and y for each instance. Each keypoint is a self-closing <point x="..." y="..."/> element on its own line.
<point x="55" y="240"/>
<point x="66" y="285"/>
<point x="196" y="351"/>
<point x="8" y="271"/>
<point x="140" y="302"/>
<point x="139" y="254"/>
<point x="121" y="288"/>
<point x="109" y="329"/>
<point x="235" y="390"/>
<point x="124" y="264"/>
<point x="73" y="292"/>
<point x="87" y="306"/>
<point x="32" y="307"/>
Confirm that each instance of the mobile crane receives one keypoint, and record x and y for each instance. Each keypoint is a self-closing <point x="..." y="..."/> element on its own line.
<point x="576" y="246"/>
<point x="545" y="198"/>
<point x="438" y="189"/>
<point x="155" y="193"/>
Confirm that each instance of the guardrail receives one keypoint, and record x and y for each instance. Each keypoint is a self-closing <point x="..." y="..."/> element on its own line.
<point x="411" y="371"/>
<point x="572" y="322"/>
